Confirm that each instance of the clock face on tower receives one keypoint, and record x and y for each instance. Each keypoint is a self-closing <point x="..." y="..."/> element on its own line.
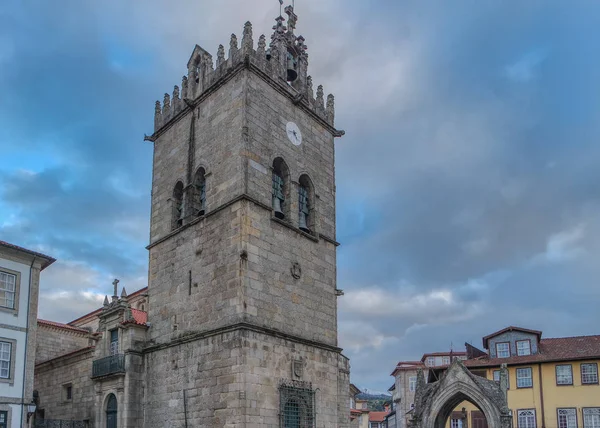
<point x="293" y="133"/>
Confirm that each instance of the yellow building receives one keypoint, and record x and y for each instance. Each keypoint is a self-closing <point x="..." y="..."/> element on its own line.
<point x="553" y="383"/>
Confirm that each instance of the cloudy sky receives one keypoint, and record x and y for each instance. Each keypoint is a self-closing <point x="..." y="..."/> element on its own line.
<point x="468" y="180"/>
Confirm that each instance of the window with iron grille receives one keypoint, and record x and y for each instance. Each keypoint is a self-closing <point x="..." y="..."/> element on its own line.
<point x="567" y="418"/>
<point x="564" y="374"/>
<point x="523" y="347"/>
<point x="589" y="373"/>
<point x="524" y="379"/>
<point x="526" y="418"/>
<point x="591" y="417"/>
<point x="8" y="288"/>
<point x="297" y="404"/>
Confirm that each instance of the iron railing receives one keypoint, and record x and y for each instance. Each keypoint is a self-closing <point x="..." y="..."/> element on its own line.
<point x="56" y="423"/>
<point x="108" y="365"/>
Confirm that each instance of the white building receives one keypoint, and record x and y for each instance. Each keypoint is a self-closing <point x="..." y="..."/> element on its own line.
<point x="19" y="287"/>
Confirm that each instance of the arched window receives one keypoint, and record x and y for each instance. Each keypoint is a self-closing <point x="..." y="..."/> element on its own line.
<point x="111" y="411"/>
<point x="200" y="192"/>
<point x="280" y="188"/>
<point x="297" y="407"/>
<point x="178" y="206"/>
<point x="305" y="204"/>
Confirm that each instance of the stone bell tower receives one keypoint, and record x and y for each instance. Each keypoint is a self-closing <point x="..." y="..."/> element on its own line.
<point x="242" y="277"/>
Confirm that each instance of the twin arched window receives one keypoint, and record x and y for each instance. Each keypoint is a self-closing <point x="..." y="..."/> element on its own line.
<point x="281" y="202"/>
<point x="196" y="199"/>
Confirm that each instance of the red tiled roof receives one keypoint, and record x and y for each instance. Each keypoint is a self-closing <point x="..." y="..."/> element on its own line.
<point x="139" y="317"/>
<point x="62" y="326"/>
<point x="407" y="365"/>
<point x="553" y="349"/>
<point x="49" y="260"/>
<point x="510" y="328"/>
<point x="97" y="311"/>
<point x="377" y="416"/>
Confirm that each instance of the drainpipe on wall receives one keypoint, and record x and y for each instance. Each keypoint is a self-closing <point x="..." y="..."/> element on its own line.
<point x="26" y="340"/>
<point x="542" y="396"/>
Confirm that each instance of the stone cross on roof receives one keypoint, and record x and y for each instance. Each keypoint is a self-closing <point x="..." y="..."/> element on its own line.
<point x="293" y="18"/>
<point x="115" y="283"/>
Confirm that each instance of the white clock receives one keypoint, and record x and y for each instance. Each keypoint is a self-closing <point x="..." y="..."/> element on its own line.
<point x="293" y="133"/>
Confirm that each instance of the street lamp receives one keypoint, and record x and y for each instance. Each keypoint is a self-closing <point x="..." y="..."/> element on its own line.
<point x="31" y="407"/>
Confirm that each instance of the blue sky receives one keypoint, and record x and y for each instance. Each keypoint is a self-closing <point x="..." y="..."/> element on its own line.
<point x="468" y="180"/>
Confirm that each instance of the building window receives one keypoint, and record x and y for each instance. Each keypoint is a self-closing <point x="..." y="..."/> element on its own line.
<point x="68" y="392"/>
<point x="8" y="289"/>
<point x="591" y="417"/>
<point x="567" y="418"/>
<point x="445" y="361"/>
<point x="114" y="342"/>
<point x="589" y="373"/>
<point x="524" y="379"/>
<point x="523" y="347"/>
<point x="5" y="360"/>
<point x="280" y="188"/>
<point x="4" y="419"/>
<point x="456" y="423"/>
<point x="526" y="418"/>
<point x="503" y="350"/>
<point x="297" y="406"/>
<point x="496" y="375"/>
<point x="564" y="375"/>
<point x="430" y="361"/>
<point x="305" y="220"/>
<point x="177" y="202"/>
<point x="412" y="383"/>
<point x="200" y="193"/>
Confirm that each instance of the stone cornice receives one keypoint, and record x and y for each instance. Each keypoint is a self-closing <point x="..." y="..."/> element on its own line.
<point x="242" y="326"/>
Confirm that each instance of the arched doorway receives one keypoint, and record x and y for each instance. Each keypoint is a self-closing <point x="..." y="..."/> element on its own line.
<point x="435" y="402"/>
<point x="111" y="411"/>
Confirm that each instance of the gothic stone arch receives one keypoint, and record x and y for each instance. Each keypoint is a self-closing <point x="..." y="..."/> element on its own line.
<point x="435" y="401"/>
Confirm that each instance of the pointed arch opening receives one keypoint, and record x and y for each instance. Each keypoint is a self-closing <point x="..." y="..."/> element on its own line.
<point x="177" y="206"/>
<point x="280" y="189"/>
<point x="199" y="194"/>
<point x="306" y="204"/>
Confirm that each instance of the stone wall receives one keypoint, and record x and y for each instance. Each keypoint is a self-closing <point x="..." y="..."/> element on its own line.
<point x="233" y="378"/>
<point x="52" y="342"/>
<point x="51" y="379"/>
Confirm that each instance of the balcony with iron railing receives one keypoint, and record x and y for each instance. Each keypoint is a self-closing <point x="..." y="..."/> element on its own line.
<point x="114" y="364"/>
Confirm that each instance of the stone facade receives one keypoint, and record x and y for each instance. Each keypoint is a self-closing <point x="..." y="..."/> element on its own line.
<point x="54" y="341"/>
<point x="242" y="304"/>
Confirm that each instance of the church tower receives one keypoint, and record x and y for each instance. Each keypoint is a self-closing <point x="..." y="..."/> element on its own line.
<point x="242" y="277"/>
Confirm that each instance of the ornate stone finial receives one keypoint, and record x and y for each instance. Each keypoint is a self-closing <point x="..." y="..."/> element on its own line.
<point x="301" y="46"/>
<point x="330" y="110"/>
<point x="157" y="110"/>
<point x="184" y="87"/>
<point x="220" y="55"/>
<point x="320" y="98"/>
<point x="166" y="110"/>
<point x="247" y="42"/>
<point x="309" y="89"/>
<point x="105" y="301"/>
<point x="262" y="44"/>
<point x="278" y="27"/>
<point x="123" y="293"/>
<point x="175" y="92"/>
<point x="293" y="18"/>
<point x="233" y="45"/>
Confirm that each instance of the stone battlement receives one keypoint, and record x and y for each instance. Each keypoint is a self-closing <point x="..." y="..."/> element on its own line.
<point x="274" y="61"/>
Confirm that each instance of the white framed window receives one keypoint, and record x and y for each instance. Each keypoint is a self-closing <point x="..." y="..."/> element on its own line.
<point x="567" y="418"/>
<point x="564" y="374"/>
<point x="526" y="418"/>
<point x="445" y="360"/>
<point x="497" y="377"/>
<point x="8" y="290"/>
<point x="5" y="360"/>
<point x="456" y="423"/>
<point x="589" y="373"/>
<point x="430" y="361"/>
<point x="591" y="417"/>
<point x="412" y="383"/>
<point x="503" y="350"/>
<point x="524" y="379"/>
<point x="523" y="347"/>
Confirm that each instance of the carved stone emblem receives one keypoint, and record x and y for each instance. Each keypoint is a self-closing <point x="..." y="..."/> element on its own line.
<point x="297" y="369"/>
<point x="296" y="270"/>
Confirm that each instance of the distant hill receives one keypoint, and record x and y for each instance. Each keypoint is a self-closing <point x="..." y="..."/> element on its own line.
<point x="376" y="400"/>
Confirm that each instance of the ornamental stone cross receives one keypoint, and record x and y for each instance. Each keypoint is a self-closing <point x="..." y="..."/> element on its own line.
<point x="115" y="283"/>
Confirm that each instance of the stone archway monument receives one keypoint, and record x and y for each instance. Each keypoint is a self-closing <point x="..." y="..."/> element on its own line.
<point x="434" y="402"/>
